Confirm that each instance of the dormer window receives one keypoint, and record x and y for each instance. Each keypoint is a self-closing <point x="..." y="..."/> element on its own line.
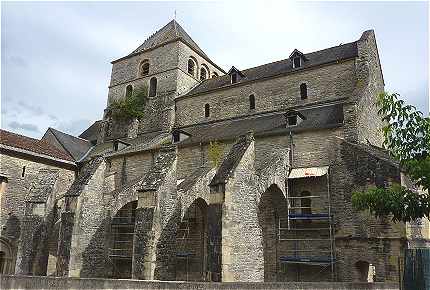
<point x="179" y="135"/>
<point x="297" y="62"/>
<point x="234" y="78"/>
<point x="235" y="75"/>
<point x="294" y="119"/>
<point x="297" y="58"/>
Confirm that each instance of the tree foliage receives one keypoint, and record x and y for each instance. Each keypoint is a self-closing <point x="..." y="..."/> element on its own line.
<point x="407" y="138"/>
<point x="215" y="153"/>
<point x="130" y="107"/>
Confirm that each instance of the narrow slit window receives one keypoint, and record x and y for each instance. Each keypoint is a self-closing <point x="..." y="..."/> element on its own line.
<point x="23" y="171"/>
<point x="207" y="110"/>
<point x="128" y="91"/>
<point x="303" y="91"/>
<point x="252" y="102"/>
<point x="153" y="87"/>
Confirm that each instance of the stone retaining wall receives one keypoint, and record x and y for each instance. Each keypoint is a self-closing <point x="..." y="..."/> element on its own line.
<point x="27" y="282"/>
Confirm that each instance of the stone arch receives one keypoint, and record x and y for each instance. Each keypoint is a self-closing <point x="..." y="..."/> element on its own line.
<point x="7" y="256"/>
<point x="121" y="202"/>
<point x="200" y="189"/>
<point x="271" y="209"/>
<point x="191" y="242"/>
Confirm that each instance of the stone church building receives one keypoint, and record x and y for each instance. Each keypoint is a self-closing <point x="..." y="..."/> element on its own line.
<point x="245" y="175"/>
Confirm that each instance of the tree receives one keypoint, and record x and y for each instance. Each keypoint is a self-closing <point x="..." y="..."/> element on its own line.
<point x="407" y="139"/>
<point x="215" y="153"/>
<point x="132" y="106"/>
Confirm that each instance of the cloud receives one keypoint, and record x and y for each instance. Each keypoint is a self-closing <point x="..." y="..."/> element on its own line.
<point x="35" y="110"/>
<point x="18" y="61"/>
<point x="73" y="127"/>
<point x="24" y="126"/>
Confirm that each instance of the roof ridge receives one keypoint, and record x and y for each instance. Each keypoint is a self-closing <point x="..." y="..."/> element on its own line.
<point x="70" y="135"/>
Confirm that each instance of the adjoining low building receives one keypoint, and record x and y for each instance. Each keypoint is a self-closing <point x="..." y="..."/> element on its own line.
<point x="245" y="175"/>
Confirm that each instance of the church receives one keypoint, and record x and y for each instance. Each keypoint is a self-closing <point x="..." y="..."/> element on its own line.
<point x="196" y="173"/>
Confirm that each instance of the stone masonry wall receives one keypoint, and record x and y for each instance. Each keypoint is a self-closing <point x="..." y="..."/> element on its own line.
<point x="242" y="236"/>
<point x="17" y="189"/>
<point x="89" y="240"/>
<point x="49" y="283"/>
<point x="356" y="233"/>
<point x="325" y="83"/>
<point x="369" y="84"/>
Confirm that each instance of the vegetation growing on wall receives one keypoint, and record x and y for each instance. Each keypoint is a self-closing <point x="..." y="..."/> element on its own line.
<point x="407" y="138"/>
<point x="130" y="107"/>
<point x="215" y="153"/>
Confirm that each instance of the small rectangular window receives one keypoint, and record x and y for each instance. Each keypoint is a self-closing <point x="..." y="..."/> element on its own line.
<point x="23" y="171"/>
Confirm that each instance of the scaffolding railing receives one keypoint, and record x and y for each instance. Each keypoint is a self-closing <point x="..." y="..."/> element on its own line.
<point x="318" y="227"/>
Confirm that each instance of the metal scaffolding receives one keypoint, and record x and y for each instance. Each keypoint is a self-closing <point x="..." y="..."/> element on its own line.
<point x="304" y="230"/>
<point x="186" y="242"/>
<point x="122" y="233"/>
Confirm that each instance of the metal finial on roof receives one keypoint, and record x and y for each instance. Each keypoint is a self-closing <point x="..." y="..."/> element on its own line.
<point x="174" y="24"/>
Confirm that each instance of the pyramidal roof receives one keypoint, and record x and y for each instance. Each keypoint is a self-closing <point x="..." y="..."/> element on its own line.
<point x="171" y="31"/>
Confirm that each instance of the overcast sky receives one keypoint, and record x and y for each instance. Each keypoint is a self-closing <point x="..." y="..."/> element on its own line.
<point x="55" y="62"/>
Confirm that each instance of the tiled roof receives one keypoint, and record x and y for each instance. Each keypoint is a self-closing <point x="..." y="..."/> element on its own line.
<point x="169" y="32"/>
<point x="91" y="133"/>
<point x="274" y="122"/>
<point x="328" y="55"/>
<point x="76" y="147"/>
<point x="33" y="145"/>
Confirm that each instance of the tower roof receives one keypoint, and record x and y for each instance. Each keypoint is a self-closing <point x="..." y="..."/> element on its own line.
<point x="171" y="31"/>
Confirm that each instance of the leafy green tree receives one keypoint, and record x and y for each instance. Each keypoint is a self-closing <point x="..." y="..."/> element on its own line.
<point x="215" y="153"/>
<point x="130" y="107"/>
<point x="407" y="138"/>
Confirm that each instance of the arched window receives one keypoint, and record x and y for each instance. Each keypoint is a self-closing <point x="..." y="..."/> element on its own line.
<point x="362" y="268"/>
<point x="214" y="75"/>
<point x="252" y="102"/>
<point x="153" y="87"/>
<point x="128" y="91"/>
<point x="207" y="110"/>
<point x="191" y="67"/>
<point x="303" y="91"/>
<point x="144" y="68"/>
<point x="203" y="74"/>
<point x="305" y="204"/>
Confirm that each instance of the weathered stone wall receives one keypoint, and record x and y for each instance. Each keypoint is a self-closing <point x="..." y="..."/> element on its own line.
<point x="161" y="59"/>
<point x="48" y="283"/>
<point x="370" y="83"/>
<point x="353" y="168"/>
<point x="324" y="83"/>
<point x="13" y="202"/>
<point x="241" y="234"/>
<point x="89" y="253"/>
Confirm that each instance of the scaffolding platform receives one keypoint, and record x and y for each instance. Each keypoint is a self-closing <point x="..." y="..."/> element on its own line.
<point x="311" y="216"/>
<point x="308" y="235"/>
<point x="317" y="261"/>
